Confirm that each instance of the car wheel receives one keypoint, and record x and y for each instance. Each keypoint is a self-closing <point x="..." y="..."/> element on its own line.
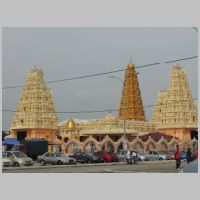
<point x="89" y="162"/>
<point x="42" y="162"/>
<point x="17" y="164"/>
<point x="59" y="162"/>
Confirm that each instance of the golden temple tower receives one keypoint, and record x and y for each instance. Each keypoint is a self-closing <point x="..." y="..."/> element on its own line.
<point x="131" y="102"/>
<point x="36" y="114"/>
<point x="175" y="112"/>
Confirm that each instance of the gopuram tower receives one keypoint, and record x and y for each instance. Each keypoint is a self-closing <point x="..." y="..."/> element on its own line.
<point x="175" y="112"/>
<point x="35" y="116"/>
<point x="131" y="107"/>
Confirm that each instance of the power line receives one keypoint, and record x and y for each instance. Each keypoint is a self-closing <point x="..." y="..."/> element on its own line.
<point x="81" y="112"/>
<point x="103" y="73"/>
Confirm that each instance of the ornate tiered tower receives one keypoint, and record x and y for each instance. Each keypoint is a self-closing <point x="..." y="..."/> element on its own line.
<point x="131" y="102"/>
<point x="36" y="113"/>
<point x="175" y="112"/>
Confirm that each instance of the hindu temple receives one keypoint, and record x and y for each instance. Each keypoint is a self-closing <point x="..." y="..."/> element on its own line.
<point x="175" y="112"/>
<point x="35" y="115"/>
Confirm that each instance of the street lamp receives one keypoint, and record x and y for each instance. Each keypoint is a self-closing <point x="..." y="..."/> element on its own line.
<point x="124" y="109"/>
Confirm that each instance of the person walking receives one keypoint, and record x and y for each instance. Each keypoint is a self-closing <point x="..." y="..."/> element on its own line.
<point x="128" y="157"/>
<point x="196" y="153"/>
<point x="177" y="157"/>
<point x="189" y="155"/>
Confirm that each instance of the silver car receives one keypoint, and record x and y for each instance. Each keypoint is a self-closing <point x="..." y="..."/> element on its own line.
<point x="18" y="158"/>
<point x="158" y="155"/>
<point x="55" y="158"/>
<point x="5" y="161"/>
<point x="121" y="154"/>
<point x="142" y="156"/>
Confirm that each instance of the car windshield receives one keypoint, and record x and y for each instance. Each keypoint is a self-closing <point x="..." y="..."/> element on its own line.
<point x="90" y="155"/>
<point x="160" y="152"/>
<point x="60" y="155"/>
<point x="140" y="153"/>
<point x="19" y="154"/>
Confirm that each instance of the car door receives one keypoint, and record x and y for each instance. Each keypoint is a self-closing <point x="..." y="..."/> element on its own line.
<point x="77" y="157"/>
<point x="11" y="157"/>
<point x="156" y="155"/>
<point x="52" y="158"/>
<point x="47" y="158"/>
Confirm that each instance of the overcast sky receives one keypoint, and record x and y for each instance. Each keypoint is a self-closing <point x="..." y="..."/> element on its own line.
<point x="71" y="52"/>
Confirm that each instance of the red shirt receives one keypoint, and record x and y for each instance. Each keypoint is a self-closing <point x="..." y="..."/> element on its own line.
<point x="196" y="153"/>
<point x="177" y="154"/>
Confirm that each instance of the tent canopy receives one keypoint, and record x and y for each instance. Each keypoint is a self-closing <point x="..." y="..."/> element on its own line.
<point x="10" y="141"/>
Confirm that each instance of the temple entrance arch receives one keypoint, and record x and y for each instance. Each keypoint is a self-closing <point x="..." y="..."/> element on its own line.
<point x="151" y="146"/>
<point x="163" y="146"/>
<point x="172" y="146"/>
<point x="90" y="147"/>
<point x="108" y="146"/>
<point x="138" y="146"/>
<point x="72" y="146"/>
<point x="122" y="144"/>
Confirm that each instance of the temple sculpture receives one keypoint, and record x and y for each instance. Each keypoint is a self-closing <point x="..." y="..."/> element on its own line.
<point x="131" y="107"/>
<point x="35" y="116"/>
<point x="175" y="112"/>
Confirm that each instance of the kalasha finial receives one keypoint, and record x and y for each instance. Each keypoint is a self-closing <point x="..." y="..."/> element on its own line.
<point x="130" y="60"/>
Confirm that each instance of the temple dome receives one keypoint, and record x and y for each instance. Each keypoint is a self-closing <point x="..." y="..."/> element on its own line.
<point x="110" y="117"/>
<point x="71" y="124"/>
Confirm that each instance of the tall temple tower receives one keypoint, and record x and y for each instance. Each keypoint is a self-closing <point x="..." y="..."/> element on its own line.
<point x="131" y="102"/>
<point x="36" y="114"/>
<point x="175" y="112"/>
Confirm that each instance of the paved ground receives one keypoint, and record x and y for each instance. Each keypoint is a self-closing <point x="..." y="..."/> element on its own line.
<point x="144" y="167"/>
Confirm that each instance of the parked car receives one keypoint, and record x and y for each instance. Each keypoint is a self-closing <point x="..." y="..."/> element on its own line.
<point x="163" y="155"/>
<point x="5" y="161"/>
<point x="142" y="156"/>
<point x="171" y="155"/>
<point x="18" y="158"/>
<point x="55" y="159"/>
<point x="121" y="154"/>
<point x="158" y="155"/>
<point x="108" y="157"/>
<point x="86" y="158"/>
<point x="93" y="158"/>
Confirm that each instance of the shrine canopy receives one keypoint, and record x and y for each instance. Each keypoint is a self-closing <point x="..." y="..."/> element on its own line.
<point x="10" y="141"/>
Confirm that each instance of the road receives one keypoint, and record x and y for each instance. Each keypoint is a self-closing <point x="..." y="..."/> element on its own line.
<point x="144" y="167"/>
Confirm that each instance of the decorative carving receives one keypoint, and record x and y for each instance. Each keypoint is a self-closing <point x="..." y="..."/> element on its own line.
<point x="36" y="110"/>
<point x="131" y="102"/>
<point x="175" y="111"/>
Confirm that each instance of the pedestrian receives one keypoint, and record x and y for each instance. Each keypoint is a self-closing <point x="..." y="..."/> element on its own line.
<point x="177" y="157"/>
<point x="196" y="153"/>
<point x="134" y="155"/>
<point x="188" y="155"/>
<point x="128" y="157"/>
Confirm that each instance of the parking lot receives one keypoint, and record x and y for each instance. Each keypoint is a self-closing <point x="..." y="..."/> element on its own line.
<point x="165" y="166"/>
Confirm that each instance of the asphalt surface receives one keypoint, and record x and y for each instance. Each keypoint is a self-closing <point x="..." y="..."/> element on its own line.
<point x="141" y="167"/>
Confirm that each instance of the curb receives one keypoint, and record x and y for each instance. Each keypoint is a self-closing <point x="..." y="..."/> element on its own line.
<point x="84" y="165"/>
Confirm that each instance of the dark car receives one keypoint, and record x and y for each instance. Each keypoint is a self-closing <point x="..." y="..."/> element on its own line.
<point x="94" y="159"/>
<point x="108" y="157"/>
<point x="86" y="158"/>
